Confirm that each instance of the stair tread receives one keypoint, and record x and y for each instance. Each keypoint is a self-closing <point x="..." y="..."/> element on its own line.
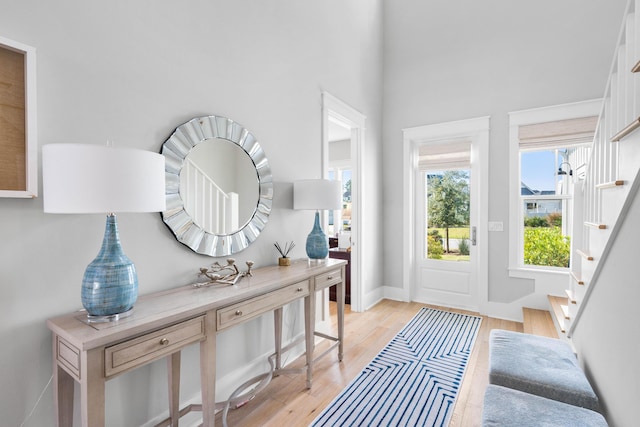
<point x="596" y="225"/>
<point x="584" y="255"/>
<point x="575" y="277"/>
<point x="538" y="322"/>
<point x="610" y="184"/>
<point x="556" y="308"/>
<point x="635" y="124"/>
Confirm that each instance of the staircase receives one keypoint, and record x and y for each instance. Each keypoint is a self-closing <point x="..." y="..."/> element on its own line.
<point x="602" y="195"/>
<point x="538" y="322"/>
<point x="213" y="209"/>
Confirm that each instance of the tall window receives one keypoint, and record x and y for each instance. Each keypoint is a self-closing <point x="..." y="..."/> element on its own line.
<point x="546" y="178"/>
<point x="550" y="147"/>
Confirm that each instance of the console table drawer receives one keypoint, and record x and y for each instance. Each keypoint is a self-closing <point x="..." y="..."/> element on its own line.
<point x="328" y="279"/>
<point x="141" y="350"/>
<point x="254" y="307"/>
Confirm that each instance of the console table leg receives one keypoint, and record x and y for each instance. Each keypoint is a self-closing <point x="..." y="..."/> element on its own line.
<point x="340" y="291"/>
<point x="92" y="388"/>
<point x="309" y="329"/>
<point x="173" y="368"/>
<point x="208" y="371"/>
<point x="277" y="323"/>
<point x="63" y="396"/>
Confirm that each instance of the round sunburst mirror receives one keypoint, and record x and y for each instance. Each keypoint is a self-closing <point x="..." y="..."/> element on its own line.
<point x="219" y="187"/>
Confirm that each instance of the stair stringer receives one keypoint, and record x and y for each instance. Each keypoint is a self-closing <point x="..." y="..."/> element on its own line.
<point x="605" y="335"/>
<point x="601" y="252"/>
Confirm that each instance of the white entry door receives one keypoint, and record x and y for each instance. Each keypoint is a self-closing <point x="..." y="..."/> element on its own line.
<point x="447" y="232"/>
<point x="446" y="206"/>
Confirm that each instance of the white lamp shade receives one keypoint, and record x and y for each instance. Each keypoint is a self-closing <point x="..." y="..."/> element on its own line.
<point x="317" y="194"/>
<point x="84" y="178"/>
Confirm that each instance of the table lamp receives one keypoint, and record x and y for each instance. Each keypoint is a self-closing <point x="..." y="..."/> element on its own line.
<point x="87" y="179"/>
<point x="316" y="194"/>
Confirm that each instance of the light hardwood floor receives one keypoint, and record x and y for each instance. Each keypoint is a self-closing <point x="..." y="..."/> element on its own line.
<point x="287" y="402"/>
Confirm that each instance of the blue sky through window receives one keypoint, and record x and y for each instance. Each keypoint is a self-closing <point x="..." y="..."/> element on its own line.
<point x="538" y="169"/>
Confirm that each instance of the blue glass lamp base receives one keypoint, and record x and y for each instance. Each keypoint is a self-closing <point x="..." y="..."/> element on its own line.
<point x="317" y="241"/>
<point x="110" y="283"/>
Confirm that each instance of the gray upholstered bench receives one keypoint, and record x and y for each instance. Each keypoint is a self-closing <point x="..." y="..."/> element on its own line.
<point x="506" y="407"/>
<point x="538" y="365"/>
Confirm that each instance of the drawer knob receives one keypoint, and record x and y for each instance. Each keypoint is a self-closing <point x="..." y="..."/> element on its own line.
<point x="299" y="289"/>
<point x="164" y="341"/>
<point x="329" y="277"/>
<point x="238" y="313"/>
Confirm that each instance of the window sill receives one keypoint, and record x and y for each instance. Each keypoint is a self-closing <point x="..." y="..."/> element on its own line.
<point x="537" y="273"/>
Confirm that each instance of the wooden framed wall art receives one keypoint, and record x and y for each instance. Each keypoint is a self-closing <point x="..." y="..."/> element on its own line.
<point x="18" y="139"/>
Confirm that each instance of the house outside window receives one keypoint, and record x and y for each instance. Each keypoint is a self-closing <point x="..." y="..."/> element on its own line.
<point x="549" y="148"/>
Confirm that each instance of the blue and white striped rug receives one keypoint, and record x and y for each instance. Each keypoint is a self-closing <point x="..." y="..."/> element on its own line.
<point x="414" y="380"/>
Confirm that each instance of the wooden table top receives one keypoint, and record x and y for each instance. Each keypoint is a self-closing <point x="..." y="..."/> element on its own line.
<point x="163" y="308"/>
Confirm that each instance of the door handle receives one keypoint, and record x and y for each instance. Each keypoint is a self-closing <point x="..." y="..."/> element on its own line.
<point x="473" y="235"/>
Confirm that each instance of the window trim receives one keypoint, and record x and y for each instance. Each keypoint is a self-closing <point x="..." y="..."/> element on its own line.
<point x="517" y="268"/>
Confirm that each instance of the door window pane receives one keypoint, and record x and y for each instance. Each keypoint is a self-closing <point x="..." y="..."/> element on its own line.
<point x="447" y="215"/>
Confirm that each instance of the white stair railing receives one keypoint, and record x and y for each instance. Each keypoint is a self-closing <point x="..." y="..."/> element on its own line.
<point x="610" y="170"/>
<point x="209" y="205"/>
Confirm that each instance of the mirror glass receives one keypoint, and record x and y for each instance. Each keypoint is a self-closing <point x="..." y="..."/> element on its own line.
<point x="218" y="186"/>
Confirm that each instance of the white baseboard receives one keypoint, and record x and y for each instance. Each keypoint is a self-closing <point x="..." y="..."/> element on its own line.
<point x="396" y="294"/>
<point x="507" y="311"/>
<point x="372" y="298"/>
<point x="513" y="310"/>
<point x="383" y="292"/>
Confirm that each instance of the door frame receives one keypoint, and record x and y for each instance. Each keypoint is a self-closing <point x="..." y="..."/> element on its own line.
<point x="337" y="111"/>
<point x="477" y="131"/>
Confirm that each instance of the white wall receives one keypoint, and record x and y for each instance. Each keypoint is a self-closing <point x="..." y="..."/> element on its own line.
<point x="132" y="72"/>
<point x="447" y="61"/>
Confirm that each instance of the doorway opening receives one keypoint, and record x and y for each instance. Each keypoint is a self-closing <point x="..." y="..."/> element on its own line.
<point x="343" y="137"/>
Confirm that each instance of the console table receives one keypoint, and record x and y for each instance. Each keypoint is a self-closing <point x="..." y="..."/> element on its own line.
<point x="163" y="323"/>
